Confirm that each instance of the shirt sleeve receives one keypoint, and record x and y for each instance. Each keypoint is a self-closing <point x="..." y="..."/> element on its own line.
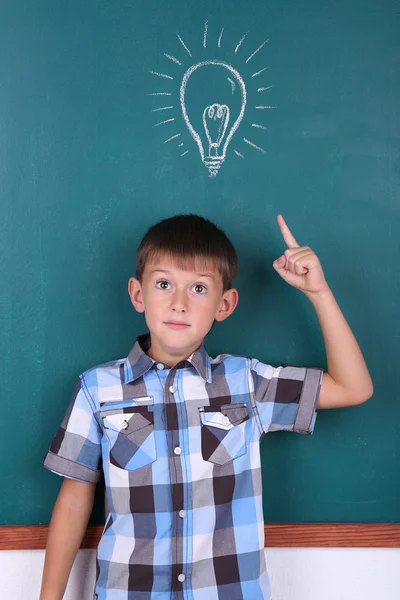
<point x="75" y="451"/>
<point x="285" y="396"/>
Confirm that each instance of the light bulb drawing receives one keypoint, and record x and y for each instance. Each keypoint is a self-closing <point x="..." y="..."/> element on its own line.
<point x="216" y="117"/>
<point x="213" y="99"/>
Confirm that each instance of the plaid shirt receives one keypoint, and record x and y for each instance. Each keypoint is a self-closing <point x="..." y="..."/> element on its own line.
<point x="180" y="452"/>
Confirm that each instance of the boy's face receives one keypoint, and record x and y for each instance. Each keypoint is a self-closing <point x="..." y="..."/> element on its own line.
<point x="180" y="306"/>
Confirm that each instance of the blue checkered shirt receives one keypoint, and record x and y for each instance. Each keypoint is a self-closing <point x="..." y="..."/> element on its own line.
<point x="179" y="449"/>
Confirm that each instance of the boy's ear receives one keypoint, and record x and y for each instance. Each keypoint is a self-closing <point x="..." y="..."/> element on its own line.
<point x="229" y="302"/>
<point x="135" y="294"/>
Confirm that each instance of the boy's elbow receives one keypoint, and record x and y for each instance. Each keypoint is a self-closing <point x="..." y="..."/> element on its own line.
<point x="365" y="395"/>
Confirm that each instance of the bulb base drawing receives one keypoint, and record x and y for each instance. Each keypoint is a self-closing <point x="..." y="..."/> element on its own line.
<point x="213" y="164"/>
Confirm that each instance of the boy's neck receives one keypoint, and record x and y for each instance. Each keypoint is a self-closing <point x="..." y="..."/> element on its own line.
<point x="168" y="356"/>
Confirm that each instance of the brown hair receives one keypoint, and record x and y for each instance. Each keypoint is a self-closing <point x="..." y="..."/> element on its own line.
<point x="185" y="238"/>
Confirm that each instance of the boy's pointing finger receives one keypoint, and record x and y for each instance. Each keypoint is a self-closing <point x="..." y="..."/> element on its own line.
<point x="286" y="233"/>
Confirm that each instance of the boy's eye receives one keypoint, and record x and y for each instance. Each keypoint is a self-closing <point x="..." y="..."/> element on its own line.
<point x="162" y="285"/>
<point x="200" y="288"/>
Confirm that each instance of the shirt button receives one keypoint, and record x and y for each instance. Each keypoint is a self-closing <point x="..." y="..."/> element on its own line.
<point x="172" y="389"/>
<point x="160" y="366"/>
<point x="124" y="424"/>
<point x="177" y="450"/>
<point x="181" y="577"/>
<point x="182" y="513"/>
<point x="225" y="420"/>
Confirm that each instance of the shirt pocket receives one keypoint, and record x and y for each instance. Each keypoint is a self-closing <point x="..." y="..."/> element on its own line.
<point x="223" y="432"/>
<point x="131" y="436"/>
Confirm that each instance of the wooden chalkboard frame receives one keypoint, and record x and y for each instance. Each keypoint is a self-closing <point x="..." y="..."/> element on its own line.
<point x="277" y="535"/>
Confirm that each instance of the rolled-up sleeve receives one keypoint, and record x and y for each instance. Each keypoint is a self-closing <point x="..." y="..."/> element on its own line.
<point x="285" y="396"/>
<point x="75" y="451"/>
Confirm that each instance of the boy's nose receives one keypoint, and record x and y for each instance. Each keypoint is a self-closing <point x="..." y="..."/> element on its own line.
<point x="179" y="302"/>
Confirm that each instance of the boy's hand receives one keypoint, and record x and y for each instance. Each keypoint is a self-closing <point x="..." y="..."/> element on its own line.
<point x="299" y="265"/>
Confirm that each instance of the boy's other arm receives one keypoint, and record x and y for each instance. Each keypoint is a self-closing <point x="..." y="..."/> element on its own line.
<point x="347" y="381"/>
<point x="67" y="527"/>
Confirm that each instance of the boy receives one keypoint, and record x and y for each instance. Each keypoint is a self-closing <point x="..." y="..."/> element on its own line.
<point x="177" y="433"/>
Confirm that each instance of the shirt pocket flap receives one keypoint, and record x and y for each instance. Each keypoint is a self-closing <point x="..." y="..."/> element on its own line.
<point x="128" y="422"/>
<point x="224" y="417"/>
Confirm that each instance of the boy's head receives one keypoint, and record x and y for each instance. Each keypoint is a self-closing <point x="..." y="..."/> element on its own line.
<point x="185" y="270"/>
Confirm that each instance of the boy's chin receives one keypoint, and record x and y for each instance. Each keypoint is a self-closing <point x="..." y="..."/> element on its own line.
<point x="180" y="338"/>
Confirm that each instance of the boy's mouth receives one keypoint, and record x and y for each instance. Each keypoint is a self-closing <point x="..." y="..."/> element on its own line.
<point x="176" y="324"/>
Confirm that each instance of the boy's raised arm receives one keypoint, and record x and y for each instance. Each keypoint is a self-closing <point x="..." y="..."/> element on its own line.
<point x="67" y="527"/>
<point x="347" y="381"/>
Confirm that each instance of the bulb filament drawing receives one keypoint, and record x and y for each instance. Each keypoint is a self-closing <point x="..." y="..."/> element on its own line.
<point x="218" y="113"/>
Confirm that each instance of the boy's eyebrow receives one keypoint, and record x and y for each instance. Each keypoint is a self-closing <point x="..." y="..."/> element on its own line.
<point x="210" y="275"/>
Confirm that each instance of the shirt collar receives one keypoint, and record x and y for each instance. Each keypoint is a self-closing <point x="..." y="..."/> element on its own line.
<point x="138" y="362"/>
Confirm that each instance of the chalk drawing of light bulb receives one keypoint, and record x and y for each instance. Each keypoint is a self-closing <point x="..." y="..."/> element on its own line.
<point x="213" y="99"/>
<point x="217" y="126"/>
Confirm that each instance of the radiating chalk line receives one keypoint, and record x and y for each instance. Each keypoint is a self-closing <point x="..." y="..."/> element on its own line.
<point x="265" y="89"/>
<point x="205" y="34"/>
<point x="162" y="108"/>
<point x="179" y="145"/>
<point x="160" y="94"/>
<point x="258" y="72"/>
<point x="172" y="138"/>
<point x="185" y="153"/>
<point x="162" y="122"/>
<point x="175" y="60"/>
<point x="254" y="146"/>
<point x="220" y="37"/>
<point x="161" y="75"/>
<point x="258" y="126"/>
<point x="262" y="107"/>
<point x="258" y="49"/>
<point x="238" y="153"/>
<point x="240" y="42"/>
<point x="184" y="45"/>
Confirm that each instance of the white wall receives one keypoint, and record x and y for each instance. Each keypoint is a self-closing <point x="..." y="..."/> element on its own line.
<point x="296" y="574"/>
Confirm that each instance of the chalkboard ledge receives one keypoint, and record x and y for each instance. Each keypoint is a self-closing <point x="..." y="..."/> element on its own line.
<point x="277" y="535"/>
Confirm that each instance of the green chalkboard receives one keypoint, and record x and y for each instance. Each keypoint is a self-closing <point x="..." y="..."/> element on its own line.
<point x="85" y="168"/>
